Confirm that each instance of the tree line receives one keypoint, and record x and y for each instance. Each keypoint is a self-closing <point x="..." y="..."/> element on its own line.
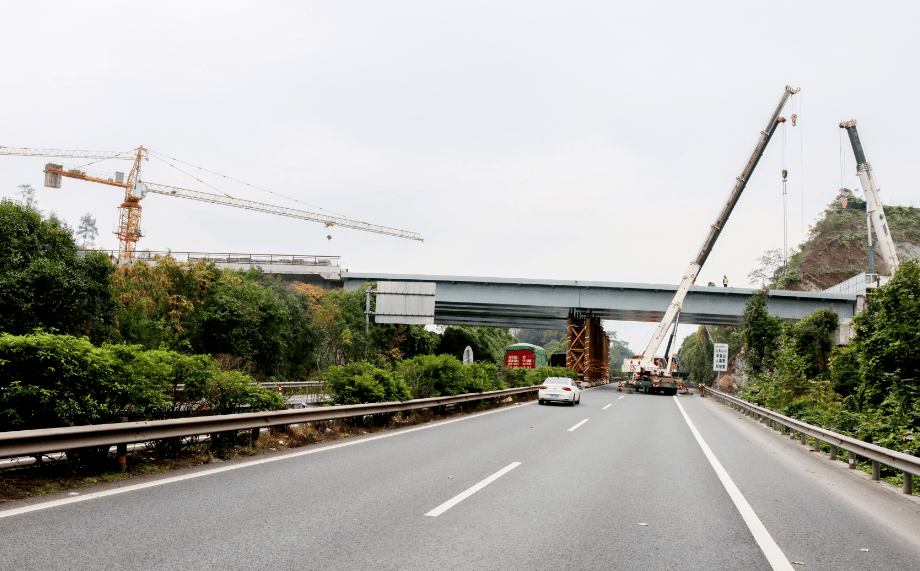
<point x="83" y="341"/>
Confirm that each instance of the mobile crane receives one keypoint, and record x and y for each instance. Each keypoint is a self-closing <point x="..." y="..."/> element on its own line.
<point x="874" y="210"/>
<point x="655" y="376"/>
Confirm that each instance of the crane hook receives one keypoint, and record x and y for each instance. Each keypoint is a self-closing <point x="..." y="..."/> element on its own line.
<point x="794" y="117"/>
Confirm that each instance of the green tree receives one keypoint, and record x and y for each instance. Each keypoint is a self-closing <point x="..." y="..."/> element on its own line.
<point x="27" y="192"/>
<point x="760" y="333"/>
<point x="619" y="352"/>
<point x="488" y="343"/>
<point x="696" y="352"/>
<point x="814" y="339"/>
<point x="158" y="299"/>
<point x="888" y="332"/>
<point x="846" y="376"/>
<point x="87" y="230"/>
<point x="44" y="284"/>
<point x="242" y="318"/>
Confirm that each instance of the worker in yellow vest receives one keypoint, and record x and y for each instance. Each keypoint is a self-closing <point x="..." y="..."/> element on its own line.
<point x="724" y="281"/>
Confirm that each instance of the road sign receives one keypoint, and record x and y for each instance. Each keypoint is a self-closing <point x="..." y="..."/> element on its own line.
<point x="720" y="357"/>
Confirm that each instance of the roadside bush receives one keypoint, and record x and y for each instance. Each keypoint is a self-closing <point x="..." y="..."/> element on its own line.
<point x="481" y="377"/>
<point x="433" y="375"/>
<point x="513" y="377"/>
<point x="50" y="380"/>
<point x="229" y="392"/>
<point x="59" y="380"/>
<point x="361" y="382"/>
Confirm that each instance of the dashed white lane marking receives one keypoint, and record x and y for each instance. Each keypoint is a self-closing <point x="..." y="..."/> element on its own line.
<point x="135" y="487"/>
<point x="763" y="538"/>
<point x="469" y="492"/>
<point x="621" y="397"/>
<point x="608" y="406"/>
<point x="577" y="425"/>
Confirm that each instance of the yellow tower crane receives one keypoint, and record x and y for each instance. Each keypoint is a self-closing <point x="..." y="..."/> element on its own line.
<point x="129" y="229"/>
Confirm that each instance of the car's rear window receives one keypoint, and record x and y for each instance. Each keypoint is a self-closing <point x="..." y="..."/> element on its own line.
<point x="552" y="381"/>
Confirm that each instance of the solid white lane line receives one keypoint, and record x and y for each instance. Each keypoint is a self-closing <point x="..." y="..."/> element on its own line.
<point x="134" y="487"/>
<point x="608" y="406"/>
<point x="763" y="538"/>
<point x="464" y="495"/>
<point x="577" y="425"/>
<point x="621" y="397"/>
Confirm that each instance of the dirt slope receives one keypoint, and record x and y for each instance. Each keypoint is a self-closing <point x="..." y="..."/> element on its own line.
<point x="836" y="249"/>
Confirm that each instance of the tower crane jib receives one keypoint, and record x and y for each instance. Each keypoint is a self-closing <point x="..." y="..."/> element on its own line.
<point x="129" y="229"/>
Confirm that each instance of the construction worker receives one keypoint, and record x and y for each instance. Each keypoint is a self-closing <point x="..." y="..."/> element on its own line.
<point x="724" y="281"/>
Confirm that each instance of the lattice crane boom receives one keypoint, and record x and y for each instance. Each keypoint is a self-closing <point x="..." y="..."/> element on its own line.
<point x="64" y="154"/>
<point x="279" y="210"/>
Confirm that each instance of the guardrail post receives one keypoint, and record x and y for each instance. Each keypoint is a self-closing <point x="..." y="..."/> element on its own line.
<point x="804" y="439"/>
<point x="817" y="445"/>
<point x="833" y="451"/>
<point x="876" y="468"/>
<point x="908" y="478"/>
<point x="255" y="436"/>
<point x="122" y="454"/>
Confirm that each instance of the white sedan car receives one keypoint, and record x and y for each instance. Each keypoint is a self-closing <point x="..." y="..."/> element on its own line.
<point x="559" y="389"/>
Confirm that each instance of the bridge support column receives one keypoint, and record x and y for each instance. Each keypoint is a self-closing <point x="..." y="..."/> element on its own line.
<point x="588" y="348"/>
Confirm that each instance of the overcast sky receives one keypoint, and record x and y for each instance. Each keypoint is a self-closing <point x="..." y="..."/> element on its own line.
<point x="564" y="140"/>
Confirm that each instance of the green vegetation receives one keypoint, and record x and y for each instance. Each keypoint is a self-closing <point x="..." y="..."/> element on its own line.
<point x="361" y="382"/>
<point x="45" y="284"/>
<point x="60" y="380"/>
<point x="696" y="351"/>
<point x="84" y="342"/>
<point x="869" y="388"/>
<point x="488" y="343"/>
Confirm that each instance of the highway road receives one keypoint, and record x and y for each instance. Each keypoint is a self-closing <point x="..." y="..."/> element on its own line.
<point x="617" y="482"/>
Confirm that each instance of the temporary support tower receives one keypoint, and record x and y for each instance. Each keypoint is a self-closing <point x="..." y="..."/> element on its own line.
<point x="588" y="348"/>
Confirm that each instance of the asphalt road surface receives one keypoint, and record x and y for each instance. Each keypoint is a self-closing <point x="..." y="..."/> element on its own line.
<point x="617" y="482"/>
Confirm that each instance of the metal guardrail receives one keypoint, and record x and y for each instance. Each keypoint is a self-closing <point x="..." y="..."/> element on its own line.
<point x="45" y="440"/>
<point x="284" y="385"/>
<point x="292" y="384"/>
<point x="907" y="464"/>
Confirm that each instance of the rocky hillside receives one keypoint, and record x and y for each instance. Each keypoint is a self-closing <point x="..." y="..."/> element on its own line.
<point x="836" y="248"/>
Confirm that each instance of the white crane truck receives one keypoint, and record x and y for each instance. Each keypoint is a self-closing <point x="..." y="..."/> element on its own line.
<point x="874" y="210"/>
<point x="655" y="376"/>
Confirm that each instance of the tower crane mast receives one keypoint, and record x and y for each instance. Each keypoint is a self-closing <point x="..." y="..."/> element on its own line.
<point x="648" y="373"/>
